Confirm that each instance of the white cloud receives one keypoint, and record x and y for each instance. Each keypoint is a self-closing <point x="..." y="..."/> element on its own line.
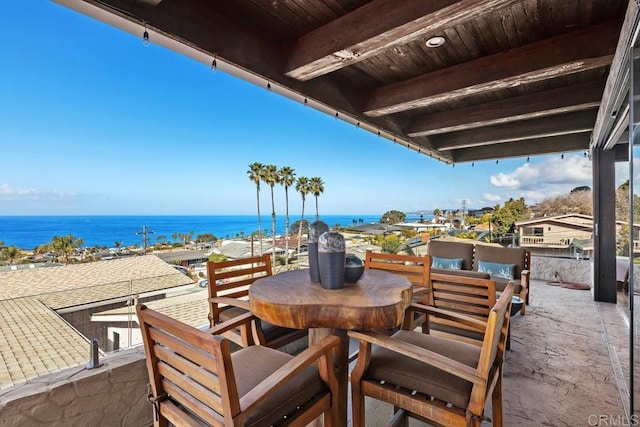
<point x="552" y="177"/>
<point x="488" y="197"/>
<point x="10" y="193"/>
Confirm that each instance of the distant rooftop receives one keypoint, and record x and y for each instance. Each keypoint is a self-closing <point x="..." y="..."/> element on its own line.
<point x="35" y="340"/>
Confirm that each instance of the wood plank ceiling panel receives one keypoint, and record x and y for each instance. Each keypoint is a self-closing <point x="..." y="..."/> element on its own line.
<point x="566" y="54"/>
<point x="368" y="59"/>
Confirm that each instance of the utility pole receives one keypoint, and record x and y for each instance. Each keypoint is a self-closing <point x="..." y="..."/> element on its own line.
<point x="145" y="232"/>
<point x="464" y="210"/>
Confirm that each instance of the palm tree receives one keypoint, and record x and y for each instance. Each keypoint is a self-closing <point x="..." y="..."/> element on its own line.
<point x="10" y="253"/>
<point x="316" y="186"/>
<point x="255" y="172"/>
<point x="271" y="178"/>
<point x="287" y="178"/>
<point x="65" y="245"/>
<point x="302" y="187"/>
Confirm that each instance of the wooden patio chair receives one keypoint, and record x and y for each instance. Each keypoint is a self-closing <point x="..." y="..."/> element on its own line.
<point x="195" y="380"/>
<point x="469" y="296"/>
<point x="228" y="288"/>
<point x="415" y="268"/>
<point x="433" y="379"/>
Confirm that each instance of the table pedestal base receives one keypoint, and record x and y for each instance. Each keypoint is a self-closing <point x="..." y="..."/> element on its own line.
<point x="341" y="364"/>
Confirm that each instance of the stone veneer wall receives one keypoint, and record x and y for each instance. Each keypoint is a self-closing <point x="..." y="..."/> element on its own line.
<point x="570" y="270"/>
<point x="114" y="394"/>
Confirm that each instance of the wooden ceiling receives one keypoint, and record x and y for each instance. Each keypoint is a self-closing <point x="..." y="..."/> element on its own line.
<point x="513" y="78"/>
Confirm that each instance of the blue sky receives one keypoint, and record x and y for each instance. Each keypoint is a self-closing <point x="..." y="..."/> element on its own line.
<point x="94" y="122"/>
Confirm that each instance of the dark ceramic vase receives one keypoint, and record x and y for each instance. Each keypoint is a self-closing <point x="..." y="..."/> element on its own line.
<point x="331" y="260"/>
<point x="315" y="230"/>
<point x="353" y="268"/>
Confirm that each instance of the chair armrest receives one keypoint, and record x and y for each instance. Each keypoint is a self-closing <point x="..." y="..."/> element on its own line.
<point x="449" y="315"/>
<point x="524" y="279"/>
<point x="232" y="301"/>
<point x="256" y="396"/>
<point x="243" y="319"/>
<point x="420" y="354"/>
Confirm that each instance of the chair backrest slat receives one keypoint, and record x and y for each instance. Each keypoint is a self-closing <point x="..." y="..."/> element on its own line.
<point x="414" y="268"/>
<point x="208" y="414"/>
<point x="203" y="376"/>
<point x="197" y="393"/>
<point x="466" y="308"/>
<point x="186" y="350"/>
<point x="178" y="417"/>
<point x="470" y="296"/>
<point x="233" y="278"/>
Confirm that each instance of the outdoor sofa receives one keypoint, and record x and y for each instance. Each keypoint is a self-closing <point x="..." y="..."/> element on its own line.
<point x="476" y="260"/>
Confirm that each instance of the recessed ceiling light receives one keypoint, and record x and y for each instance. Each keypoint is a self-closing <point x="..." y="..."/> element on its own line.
<point x="436" y="41"/>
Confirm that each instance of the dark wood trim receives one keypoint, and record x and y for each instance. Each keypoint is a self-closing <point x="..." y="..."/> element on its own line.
<point x="581" y="50"/>
<point x="527" y="147"/>
<point x="375" y="27"/>
<point x="577" y="122"/>
<point x="555" y="101"/>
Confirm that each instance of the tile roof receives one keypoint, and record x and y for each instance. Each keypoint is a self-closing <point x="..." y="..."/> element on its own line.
<point x="75" y="284"/>
<point x="35" y="341"/>
<point x="190" y="308"/>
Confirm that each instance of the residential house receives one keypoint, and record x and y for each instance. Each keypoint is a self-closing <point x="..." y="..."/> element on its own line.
<point x="568" y="235"/>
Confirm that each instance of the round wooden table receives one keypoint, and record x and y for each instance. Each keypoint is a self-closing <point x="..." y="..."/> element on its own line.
<point x="377" y="301"/>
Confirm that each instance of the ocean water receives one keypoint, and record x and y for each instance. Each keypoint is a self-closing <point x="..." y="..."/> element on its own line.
<point x="27" y="232"/>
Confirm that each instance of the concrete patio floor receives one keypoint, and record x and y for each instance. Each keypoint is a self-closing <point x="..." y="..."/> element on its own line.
<point x="566" y="366"/>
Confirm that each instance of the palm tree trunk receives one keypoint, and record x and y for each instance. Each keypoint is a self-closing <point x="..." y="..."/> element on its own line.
<point x="259" y="222"/>
<point x="317" y="215"/>
<point x="286" y="228"/>
<point x="273" y="230"/>
<point x="300" y="233"/>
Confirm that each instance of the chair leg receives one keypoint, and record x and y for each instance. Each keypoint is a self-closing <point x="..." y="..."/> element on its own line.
<point x="357" y="405"/>
<point x="523" y="310"/>
<point x="496" y="398"/>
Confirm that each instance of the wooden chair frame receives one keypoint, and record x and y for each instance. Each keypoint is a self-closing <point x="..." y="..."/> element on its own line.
<point x="229" y="283"/>
<point x="415" y="268"/>
<point x="468" y="296"/>
<point x="193" y="382"/>
<point x="486" y="378"/>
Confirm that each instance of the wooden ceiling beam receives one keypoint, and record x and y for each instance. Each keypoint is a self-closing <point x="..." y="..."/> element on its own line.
<point x="375" y="27"/>
<point x="576" y="122"/>
<point x="580" y="50"/>
<point x="526" y="147"/>
<point x="540" y="104"/>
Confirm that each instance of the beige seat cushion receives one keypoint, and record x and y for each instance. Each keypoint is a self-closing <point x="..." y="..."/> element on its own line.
<point x="411" y="374"/>
<point x="255" y="363"/>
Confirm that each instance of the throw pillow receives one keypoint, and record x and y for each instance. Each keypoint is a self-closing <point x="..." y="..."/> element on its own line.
<point x="495" y="269"/>
<point x="446" y="263"/>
